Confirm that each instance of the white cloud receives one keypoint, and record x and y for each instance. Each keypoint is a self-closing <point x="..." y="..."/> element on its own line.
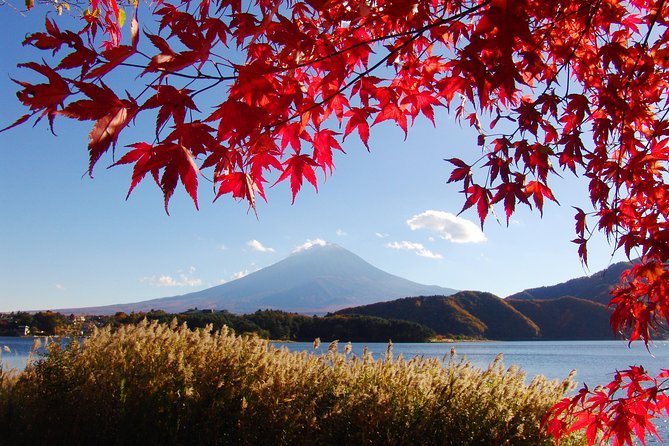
<point x="183" y="279"/>
<point x="166" y="281"/>
<point x="257" y="246"/>
<point x="380" y="235"/>
<point x="60" y="286"/>
<point x="240" y="274"/>
<point x="418" y="248"/>
<point x="450" y="227"/>
<point x="341" y="232"/>
<point x="309" y="244"/>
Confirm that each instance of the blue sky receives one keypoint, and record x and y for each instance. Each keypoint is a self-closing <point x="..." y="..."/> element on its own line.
<point x="68" y="241"/>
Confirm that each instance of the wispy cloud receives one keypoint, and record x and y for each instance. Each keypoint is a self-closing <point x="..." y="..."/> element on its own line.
<point x="381" y="235"/>
<point x="240" y="274"/>
<point x="309" y="244"/>
<point x="166" y="281"/>
<point x="418" y="248"/>
<point x="341" y="233"/>
<point x="60" y="287"/>
<point x="449" y="227"/>
<point x="257" y="246"/>
<point x="181" y="279"/>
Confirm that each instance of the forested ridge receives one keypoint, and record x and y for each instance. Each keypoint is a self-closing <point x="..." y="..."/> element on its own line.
<point x="269" y="324"/>
<point x="475" y="314"/>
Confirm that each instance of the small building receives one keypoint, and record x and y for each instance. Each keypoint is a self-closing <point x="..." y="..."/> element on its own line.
<point x="196" y="311"/>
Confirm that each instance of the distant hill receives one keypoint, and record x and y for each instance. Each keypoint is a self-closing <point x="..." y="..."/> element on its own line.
<point x="596" y="288"/>
<point x="312" y="281"/>
<point x="567" y="317"/>
<point x="467" y="313"/>
<point x="484" y="315"/>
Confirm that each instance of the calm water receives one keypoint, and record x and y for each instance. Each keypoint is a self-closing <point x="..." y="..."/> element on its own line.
<point x="594" y="361"/>
<point x="15" y="352"/>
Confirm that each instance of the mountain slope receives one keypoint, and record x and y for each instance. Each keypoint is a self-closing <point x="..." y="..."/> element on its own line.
<point x="596" y="287"/>
<point x="567" y="317"/>
<point x="484" y="315"/>
<point x="315" y="280"/>
<point x="502" y="320"/>
<point x="467" y="313"/>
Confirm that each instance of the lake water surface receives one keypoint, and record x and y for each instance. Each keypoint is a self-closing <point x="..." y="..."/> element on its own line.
<point x="594" y="361"/>
<point x="15" y="352"/>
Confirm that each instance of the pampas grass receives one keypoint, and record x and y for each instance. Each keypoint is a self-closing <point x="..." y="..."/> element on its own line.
<point x="157" y="384"/>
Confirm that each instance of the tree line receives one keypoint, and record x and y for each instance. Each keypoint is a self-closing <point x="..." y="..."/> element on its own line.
<point x="268" y="324"/>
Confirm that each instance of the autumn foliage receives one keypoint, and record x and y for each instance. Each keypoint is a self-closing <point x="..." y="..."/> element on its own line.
<point x="550" y="86"/>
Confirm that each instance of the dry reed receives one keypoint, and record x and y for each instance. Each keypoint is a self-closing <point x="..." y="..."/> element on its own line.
<point x="166" y="385"/>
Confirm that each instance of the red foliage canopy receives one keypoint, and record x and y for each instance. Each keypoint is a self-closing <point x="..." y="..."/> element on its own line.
<point x="550" y="85"/>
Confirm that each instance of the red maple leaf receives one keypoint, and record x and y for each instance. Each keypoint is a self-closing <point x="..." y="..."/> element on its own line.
<point x="298" y="167"/>
<point x="481" y="197"/>
<point x="44" y="98"/>
<point x="117" y="54"/>
<point x="142" y="158"/>
<point x="538" y="190"/>
<point x="394" y="113"/>
<point x="172" y="102"/>
<point x="324" y="141"/>
<point x="242" y="186"/>
<point x="110" y="114"/>
<point x="357" y="120"/>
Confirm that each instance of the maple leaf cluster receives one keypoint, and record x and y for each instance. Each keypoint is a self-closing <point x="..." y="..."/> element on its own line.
<point x="550" y="86"/>
<point x="613" y="413"/>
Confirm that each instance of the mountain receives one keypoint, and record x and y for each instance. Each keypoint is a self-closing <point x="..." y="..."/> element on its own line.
<point x="575" y="309"/>
<point x="567" y="318"/>
<point x="315" y="280"/>
<point x="484" y="315"/>
<point x="467" y="313"/>
<point x="596" y="287"/>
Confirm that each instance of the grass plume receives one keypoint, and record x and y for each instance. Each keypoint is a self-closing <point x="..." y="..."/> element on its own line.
<point x="164" y="384"/>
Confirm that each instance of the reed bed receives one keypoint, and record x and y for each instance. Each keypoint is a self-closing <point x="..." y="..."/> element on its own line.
<point x="157" y="384"/>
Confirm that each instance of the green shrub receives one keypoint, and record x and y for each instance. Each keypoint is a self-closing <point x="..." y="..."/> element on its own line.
<point x="166" y="385"/>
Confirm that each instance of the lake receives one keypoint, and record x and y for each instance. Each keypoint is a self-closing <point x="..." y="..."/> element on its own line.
<point x="15" y="352"/>
<point x="594" y="361"/>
